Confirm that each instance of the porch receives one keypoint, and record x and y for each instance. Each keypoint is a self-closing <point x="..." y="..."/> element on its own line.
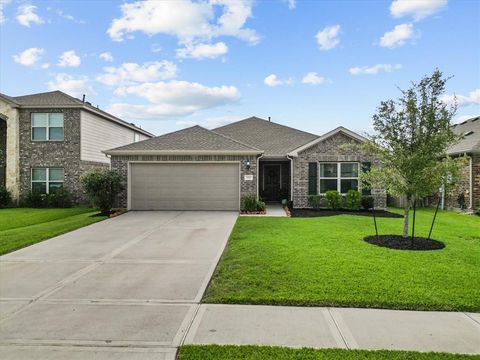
<point x="274" y="180"/>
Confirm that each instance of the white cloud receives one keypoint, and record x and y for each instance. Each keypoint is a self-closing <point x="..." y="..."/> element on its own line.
<point x="272" y="80"/>
<point x="473" y="98"/>
<point x="69" y="17"/>
<point x="186" y="19"/>
<point x="106" y="56"/>
<point x="375" y="69"/>
<point x="172" y="98"/>
<point x="3" y="3"/>
<point x="75" y="86"/>
<point x="45" y="66"/>
<point x="29" y="57"/>
<point x="69" y="59"/>
<point x="312" y="78"/>
<point x="26" y="15"/>
<point x="418" y="9"/>
<point x="328" y="38"/>
<point x="292" y="4"/>
<point x="398" y="36"/>
<point x="131" y="73"/>
<point x="462" y="118"/>
<point x="202" y="51"/>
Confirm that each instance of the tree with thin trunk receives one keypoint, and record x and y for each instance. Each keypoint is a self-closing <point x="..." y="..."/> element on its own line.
<point x="411" y="138"/>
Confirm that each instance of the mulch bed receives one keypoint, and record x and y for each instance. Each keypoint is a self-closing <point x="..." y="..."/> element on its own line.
<point x="328" y="212"/>
<point x="399" y="243"/>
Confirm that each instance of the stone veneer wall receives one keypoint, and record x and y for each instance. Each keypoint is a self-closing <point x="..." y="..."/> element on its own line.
<point x="12" y="149"/>
<point x="120" y="164"/>
<point x="463" y="186"/>
<point x="65" y="154"/>
<point x="329" y="150"/>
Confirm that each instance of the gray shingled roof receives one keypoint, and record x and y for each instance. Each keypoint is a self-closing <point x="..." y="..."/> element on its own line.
<point x="60" y="99"/>
<point x="470" y="143"/>
<point x="195" y="138"/>
<point x="275" y="139"/>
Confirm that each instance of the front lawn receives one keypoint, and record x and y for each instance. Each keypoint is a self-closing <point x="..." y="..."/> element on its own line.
<point x="21" y="227"/>
<point x="214" y="352"/>
<point x="325" y="262"/>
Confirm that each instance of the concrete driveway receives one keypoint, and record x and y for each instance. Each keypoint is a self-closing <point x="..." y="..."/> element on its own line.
<point x="124" y="288"/>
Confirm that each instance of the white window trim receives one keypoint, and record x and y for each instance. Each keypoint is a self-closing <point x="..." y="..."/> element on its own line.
<point x="47" y="178"/>
<point x="339" y="177"/>
<point x="47" y="127"/>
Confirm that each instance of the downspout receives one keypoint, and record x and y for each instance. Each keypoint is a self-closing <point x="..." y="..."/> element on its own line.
<point x="291" y="177"/>
<point x="443" y="197"/>
<point x="471" y="183"/>
<point x="258" y="175"/>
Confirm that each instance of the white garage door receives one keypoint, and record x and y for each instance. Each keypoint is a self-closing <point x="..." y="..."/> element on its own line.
<point x="184" y="186"/>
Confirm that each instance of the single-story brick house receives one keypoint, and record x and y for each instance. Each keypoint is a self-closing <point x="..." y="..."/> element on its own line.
<point x="200" y="169"/>
<point x="469" y="184"/>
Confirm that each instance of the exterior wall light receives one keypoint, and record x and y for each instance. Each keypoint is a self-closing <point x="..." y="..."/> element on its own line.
<point x="248" y="164"/>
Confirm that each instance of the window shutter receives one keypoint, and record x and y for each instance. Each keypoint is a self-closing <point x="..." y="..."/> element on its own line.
<point x="312" y="178"/>
<point x="366" y="166"/>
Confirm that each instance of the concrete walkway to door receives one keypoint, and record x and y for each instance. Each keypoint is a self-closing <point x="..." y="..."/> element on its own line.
<point x="124" y="288"/>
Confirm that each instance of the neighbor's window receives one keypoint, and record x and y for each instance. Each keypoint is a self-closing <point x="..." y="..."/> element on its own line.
<point x="47" y="126"/>
<point x="47" y="180"/>
<point x="338" y="176"/>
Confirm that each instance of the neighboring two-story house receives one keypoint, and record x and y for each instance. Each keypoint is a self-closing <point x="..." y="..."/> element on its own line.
<point x="48" y="140"/>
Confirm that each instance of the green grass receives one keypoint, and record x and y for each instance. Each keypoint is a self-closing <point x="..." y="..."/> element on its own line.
<point x="21" y="227"/>
<point x="214" y="352"/>
<point x="325" y="262"/>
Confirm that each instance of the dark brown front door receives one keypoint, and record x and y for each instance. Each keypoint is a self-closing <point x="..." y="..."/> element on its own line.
<point x="271" y="182"/>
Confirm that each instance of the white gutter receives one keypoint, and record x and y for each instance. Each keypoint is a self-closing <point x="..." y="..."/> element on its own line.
<point x="258" y="175"/>
<point x="181" y="152"/>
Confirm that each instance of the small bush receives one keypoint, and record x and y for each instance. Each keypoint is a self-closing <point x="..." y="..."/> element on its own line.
<point x="59" y="199"/>
<point x="314" y="201"/>
<point x="35" y="199"/>
<point x="5" y="197"/>
<point x="102" y="187"/>
<point x="353" y="200"/>
<point x="250" y="203"/>
<point x="334" y="199"/>
<point x="367" y="202"/>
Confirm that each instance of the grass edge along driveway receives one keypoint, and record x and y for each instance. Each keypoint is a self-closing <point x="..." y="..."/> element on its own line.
<point x="22" y="227"/>
<point x="325" y="262"/>
<point x="231" y="352"/>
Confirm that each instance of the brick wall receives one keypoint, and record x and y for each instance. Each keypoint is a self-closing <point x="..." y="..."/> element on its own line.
<point x="3" y="151"/>
<point x="120" y="164"/>
<point x="476" y="181"/>
<point x="331" y="149"/>
<point x="64" y="154"/>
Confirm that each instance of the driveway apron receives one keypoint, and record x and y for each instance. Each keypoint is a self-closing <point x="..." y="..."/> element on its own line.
<point x="127" y="287"/>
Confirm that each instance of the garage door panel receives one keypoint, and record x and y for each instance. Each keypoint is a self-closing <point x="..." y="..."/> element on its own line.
<point x="184" y="186"/>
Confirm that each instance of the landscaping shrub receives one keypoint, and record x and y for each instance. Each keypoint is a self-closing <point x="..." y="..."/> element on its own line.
<point x="334" y="199"/>
<point x="250" y="203"/>
<point x="367" y="202"/>
<point x="314" y="201"/>
<point x="102" y="187"/>
<point x="34" y="199"/>
<point x="353" y="200"/>
<point x="5" y="197"/>
<point x="59" y="199"/>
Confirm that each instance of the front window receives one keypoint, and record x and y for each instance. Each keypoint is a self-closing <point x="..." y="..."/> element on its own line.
<point x="47" y="126"/>
<point x="338" y="176"/>
<point x="47" y="180"/>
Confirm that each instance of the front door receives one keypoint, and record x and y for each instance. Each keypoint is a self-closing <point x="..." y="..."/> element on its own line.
<point x="271" y="182"/>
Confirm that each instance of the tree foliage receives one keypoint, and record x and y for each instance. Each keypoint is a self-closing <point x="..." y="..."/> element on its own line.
<point x="102" y="187"/>
<point x="411" y="138"/>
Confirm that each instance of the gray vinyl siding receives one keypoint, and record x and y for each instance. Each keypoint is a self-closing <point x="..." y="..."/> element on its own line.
<point x="98" y="134"/>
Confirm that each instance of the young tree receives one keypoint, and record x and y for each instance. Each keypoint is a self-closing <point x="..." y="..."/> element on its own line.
<point x="412" y="135"/>
<point x="102" y="187"/>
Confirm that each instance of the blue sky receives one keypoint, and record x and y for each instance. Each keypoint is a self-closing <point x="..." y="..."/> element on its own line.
<point x="313" y="65"/>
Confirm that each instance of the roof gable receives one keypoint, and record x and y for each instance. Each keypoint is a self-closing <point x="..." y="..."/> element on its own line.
<point x="275" y="139"/>
<point x="195" y="139"/>
<point x="327" y="135"/>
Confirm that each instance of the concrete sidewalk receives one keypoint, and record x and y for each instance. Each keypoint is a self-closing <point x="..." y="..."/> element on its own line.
<point x="349" y="328"/>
